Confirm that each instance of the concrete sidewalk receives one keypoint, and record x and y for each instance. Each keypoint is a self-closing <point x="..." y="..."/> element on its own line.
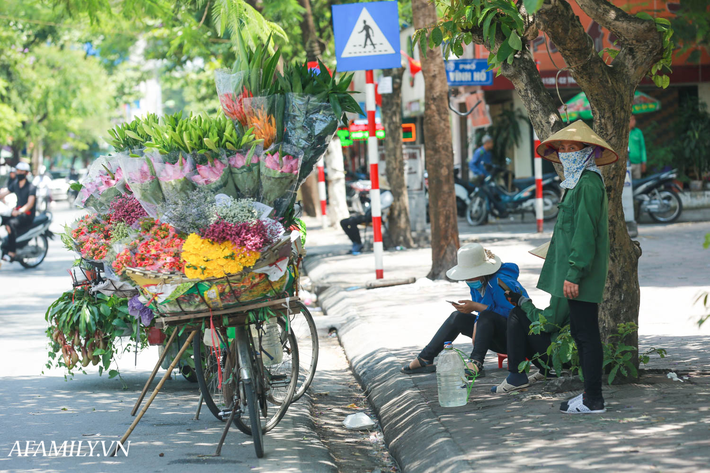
<point x="656" y="424"/>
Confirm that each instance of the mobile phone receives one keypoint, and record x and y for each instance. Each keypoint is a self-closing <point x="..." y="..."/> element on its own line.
<point x="452" y="302"/>
<point x="503" y="285"/>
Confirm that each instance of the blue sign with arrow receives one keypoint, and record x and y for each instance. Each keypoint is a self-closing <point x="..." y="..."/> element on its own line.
<point x="366" y="36"/>
<point x="468" y="72"/>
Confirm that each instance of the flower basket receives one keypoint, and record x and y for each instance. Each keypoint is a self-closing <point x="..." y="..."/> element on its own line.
<point x="172" y="294"/>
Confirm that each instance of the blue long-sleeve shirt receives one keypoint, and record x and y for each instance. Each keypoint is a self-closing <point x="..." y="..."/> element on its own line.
<point x="480" y="156"/>
<point x="494" y="295"/>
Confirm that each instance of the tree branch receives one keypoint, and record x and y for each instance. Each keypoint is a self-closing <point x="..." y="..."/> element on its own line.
<point x="630" y="29"/>
<point x="539" y="103"/>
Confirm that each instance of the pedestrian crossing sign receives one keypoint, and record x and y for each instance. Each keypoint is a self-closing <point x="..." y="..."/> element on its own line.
<point x="366" y="36"/>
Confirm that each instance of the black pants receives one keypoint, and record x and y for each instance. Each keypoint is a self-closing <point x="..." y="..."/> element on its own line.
<point x="18" y="225"/>
<point x="490" y="334"/>
<point x="521" y="344"/>
<point x="350" y="226"/>
<point x="584" y="326"/>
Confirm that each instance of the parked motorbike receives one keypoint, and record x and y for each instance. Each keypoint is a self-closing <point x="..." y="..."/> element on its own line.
<point x="658" y="196"/>
<point x="493" y="198"/>
<point x="32" y="246"/>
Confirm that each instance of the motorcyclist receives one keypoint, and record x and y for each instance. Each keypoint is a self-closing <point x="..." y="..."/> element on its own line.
<point x="481" y="157"/>
<point x="21" y="217"/>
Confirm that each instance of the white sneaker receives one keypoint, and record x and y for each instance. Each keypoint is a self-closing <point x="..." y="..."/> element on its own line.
<point x="576" y="406"/>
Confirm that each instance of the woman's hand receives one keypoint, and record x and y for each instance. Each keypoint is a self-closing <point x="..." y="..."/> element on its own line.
<point x="570" y="290"/>
<point x="466" y="306"/>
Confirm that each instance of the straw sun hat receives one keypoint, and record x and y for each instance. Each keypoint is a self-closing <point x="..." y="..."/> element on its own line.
<point x="473" y="261"/>
<point x="577" y="131"/>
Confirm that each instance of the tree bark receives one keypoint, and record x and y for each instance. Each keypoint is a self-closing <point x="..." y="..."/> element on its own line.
<point x="439" y="151"/>
<point x="610" y="90"/>
<point x="398" y="226"/>
<point x="309" y="196"/>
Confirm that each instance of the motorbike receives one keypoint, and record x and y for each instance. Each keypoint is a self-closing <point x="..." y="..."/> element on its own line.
<point x="658" y="196"/>
<point x="490" y="197"/>
<point x="32" y="246"/>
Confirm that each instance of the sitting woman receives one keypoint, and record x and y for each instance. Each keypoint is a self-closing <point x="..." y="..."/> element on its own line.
<point x="483" y="318"/>
<point x="524" y="345"/>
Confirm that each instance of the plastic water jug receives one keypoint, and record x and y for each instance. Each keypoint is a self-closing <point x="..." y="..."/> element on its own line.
<point x="271" y="348"/>
<point x="451" y="378"/>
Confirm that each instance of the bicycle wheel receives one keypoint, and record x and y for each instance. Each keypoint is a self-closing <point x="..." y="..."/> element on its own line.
<point x="304" y="328"/>
<point x="277" y="383"/>
<point x="206" y="367"/>
<point x="248" y="384"/>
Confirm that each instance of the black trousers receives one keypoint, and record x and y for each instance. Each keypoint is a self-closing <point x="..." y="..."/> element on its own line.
<point x="350" y="226"/>
<point x="18" y="225"/>
<point x="584" y="327"/>
<point x="521" y="344"/>
<point x="490" y="334"/>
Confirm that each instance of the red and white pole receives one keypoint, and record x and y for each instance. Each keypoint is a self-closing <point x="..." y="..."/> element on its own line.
<point x="321" y="192"/>
<point x="539" y="212"/>
<point x="373" y="158"/>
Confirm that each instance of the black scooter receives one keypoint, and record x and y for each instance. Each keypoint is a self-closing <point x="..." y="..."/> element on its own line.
<point x="492" y="198"/>
<point x="658" y="195"/>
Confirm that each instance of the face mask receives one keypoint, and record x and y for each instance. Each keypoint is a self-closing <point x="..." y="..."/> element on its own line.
<point x="21" y="177"/>
<point x="474" y="284"/>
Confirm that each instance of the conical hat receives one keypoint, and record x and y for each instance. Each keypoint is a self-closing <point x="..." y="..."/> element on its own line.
<point x="540" y="251"/>
<point x="578" y="131"/>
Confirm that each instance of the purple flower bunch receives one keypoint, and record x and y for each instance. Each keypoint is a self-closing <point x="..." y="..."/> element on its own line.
<point x="140" y="311"/>
<point x="253" y="236"/>
<point x="127" y="209"/>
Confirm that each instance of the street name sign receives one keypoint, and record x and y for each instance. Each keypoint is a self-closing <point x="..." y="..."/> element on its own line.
<point x="366" y="36"/>
<point x="468" y="72"/>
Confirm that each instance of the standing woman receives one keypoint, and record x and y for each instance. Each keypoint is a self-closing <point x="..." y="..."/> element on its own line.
<point x="578" y="256"/>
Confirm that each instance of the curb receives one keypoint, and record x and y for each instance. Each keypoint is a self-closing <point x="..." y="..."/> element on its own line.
<point x="413" y="434"/>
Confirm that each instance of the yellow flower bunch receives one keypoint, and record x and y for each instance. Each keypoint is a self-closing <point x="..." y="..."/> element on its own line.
<point x="206" y="259"/>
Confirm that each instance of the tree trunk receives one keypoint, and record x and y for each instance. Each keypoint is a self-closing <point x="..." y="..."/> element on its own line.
<point x="398" y="226"/>
<point x="309" y="196"/>
<point x="439" y="151"/>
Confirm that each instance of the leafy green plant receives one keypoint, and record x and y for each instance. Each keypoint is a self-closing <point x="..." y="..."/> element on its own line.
<point x="84" y="329"/>
<point x="618" y="356"/>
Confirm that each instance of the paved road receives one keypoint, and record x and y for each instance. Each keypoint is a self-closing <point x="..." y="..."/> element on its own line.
<point x="45" y="407"/>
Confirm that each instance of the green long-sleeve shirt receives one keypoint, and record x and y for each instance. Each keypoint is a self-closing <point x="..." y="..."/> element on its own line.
<point x="579" y="249"/>
<point x="637" y="147"/>
<point x="556" y="314"/>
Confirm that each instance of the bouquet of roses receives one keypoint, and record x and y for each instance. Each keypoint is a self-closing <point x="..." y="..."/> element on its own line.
<point x="92" y="237"/>
<point x="142" y="179"/>
<point x="157" y="248"/>
<point x="279" y="174"/>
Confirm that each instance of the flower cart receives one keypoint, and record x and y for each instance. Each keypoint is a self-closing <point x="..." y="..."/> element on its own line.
<point x="194" y="217"/>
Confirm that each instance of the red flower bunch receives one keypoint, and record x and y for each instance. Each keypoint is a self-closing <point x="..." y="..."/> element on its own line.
<point x="234" y="107"/>
<point x="93" y="237"/>
<point x="126" y="209"/>
<point x="157" y="248"/>
<point x="252" y="236"/>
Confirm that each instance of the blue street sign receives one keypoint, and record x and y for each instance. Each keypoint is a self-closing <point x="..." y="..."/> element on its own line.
<point x="468" y="72"/>
<point x="366" y="36"/>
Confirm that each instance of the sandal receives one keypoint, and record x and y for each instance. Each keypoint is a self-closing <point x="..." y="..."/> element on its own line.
<point x="506" y="387"/>
<point x="476" y="372"/>
<point x="424" y="367"/>
<point x="535" y="377"/>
